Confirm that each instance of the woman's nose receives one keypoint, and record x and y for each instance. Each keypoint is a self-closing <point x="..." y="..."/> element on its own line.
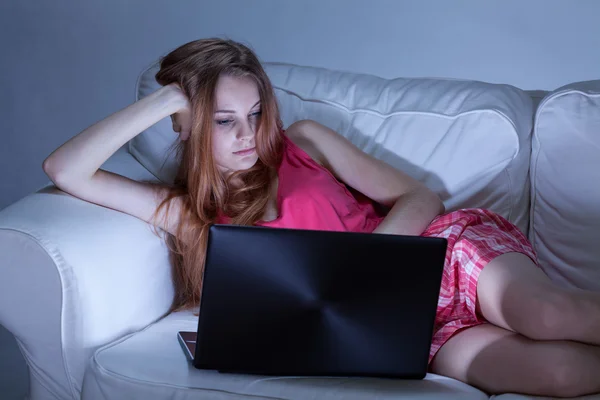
<point x="246" y="131"/>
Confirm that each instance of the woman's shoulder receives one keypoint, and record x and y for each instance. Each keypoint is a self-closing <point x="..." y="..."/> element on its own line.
<point x="301" y="134"/>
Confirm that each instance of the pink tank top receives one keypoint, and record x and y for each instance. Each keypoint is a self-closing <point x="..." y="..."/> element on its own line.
<point x="310" y="197"/>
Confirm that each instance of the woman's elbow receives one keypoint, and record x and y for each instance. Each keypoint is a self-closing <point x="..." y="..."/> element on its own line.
<point x="433" y="201"/>
<point x="442" y="207"/>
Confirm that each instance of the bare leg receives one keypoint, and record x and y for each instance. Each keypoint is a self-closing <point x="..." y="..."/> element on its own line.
<point x="513" y="293"/>
<point x="499" y="361"/>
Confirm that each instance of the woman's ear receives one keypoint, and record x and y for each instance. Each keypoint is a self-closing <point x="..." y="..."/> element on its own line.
<point x="183" y="134"/>
<point x="176" y="126"/>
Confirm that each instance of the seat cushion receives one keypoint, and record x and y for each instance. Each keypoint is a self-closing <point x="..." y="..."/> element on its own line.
<point x="565" y="179"/>
<point x="468" y="141"/>
<point x="151" y="365"/>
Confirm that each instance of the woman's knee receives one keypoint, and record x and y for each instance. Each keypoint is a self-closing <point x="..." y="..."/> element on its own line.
<point x="566" y="371"/>
<point x="550" y="315"/>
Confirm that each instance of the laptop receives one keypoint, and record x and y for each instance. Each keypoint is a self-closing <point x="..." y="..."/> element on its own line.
<point x="316" y="303"/>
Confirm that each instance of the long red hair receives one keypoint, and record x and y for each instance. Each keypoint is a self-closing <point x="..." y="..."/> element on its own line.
<point x="203" y="189"/>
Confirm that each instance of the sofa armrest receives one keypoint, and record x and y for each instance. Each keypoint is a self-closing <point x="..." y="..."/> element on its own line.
<point x="75" y="276"/>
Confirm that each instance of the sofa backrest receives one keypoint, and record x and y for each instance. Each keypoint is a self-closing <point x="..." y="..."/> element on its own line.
<point x="468" y="141"/>
<point x="565" y="179"/>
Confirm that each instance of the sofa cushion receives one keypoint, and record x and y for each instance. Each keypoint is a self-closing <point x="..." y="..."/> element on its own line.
<point x="565" y="178"/>
<point x="151" y="365"/>
<point x="468" y="141"/>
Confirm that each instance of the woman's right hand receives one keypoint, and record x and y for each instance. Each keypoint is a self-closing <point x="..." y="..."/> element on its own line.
<point x="182" y="119"/>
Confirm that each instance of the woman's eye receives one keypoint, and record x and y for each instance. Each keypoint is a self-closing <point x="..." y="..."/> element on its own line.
<point x="255" y="114"/>
<point x="224" y="121"/>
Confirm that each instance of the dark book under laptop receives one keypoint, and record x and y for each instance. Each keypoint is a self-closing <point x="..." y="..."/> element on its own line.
<point x="302" y="302"/>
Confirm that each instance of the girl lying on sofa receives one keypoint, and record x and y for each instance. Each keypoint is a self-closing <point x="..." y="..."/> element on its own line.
<point x="501" y="324"/>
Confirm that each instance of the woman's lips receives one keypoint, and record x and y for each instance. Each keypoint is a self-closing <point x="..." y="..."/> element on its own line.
<point x="245" y="152"/>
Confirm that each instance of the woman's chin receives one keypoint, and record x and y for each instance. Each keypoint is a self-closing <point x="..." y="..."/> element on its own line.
<point x="248" y="163"/>
<point x="244" y="165"/>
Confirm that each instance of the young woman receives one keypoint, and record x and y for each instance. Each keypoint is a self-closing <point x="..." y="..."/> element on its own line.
<point x="501" y="324"/>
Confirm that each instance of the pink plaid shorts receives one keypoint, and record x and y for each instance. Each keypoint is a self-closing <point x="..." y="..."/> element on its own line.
<point x="475" y="237"/>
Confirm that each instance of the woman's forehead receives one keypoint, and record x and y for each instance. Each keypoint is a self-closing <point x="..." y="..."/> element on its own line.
<point x="234" y="92"/>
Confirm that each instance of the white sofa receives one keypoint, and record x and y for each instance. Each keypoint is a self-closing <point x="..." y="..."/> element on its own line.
<point x="84" y="289"/>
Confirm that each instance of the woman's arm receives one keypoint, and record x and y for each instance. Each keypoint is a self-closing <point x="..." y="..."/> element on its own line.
<point x="412" y="205"/>
<point x="80" y="157"/>
<point x="75" y="166"/>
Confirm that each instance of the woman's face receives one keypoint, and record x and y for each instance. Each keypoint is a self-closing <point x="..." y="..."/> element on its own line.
<point x="235" y="123"/>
